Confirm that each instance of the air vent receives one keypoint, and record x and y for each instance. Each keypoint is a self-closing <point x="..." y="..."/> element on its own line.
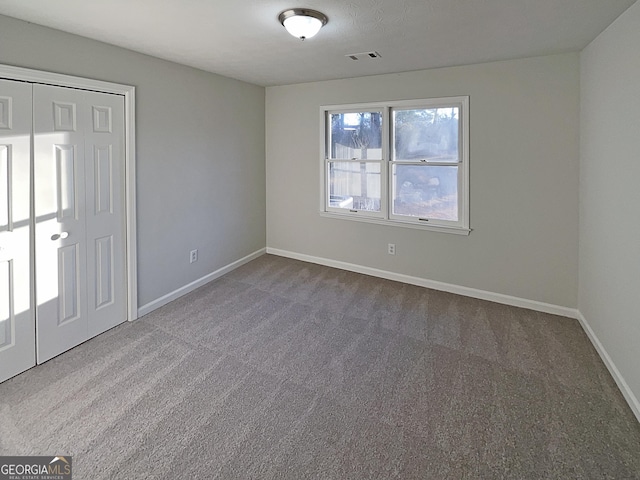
<point x="363" y="55"/>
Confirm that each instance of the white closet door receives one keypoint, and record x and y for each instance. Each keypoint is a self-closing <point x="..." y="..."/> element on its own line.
<point x="105" y="212"/>
<point x="17" y="328"/>
<point x="79" y="237"/>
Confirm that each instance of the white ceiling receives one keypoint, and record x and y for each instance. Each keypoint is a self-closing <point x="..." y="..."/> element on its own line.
<point x="243" y="39"/>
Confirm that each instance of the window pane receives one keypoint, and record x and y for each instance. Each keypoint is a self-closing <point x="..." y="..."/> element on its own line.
<point x="355" y="185"/>
<point x="429" y="134"/>
<point x="426" y="191"/>
<point x="356" y="135"/>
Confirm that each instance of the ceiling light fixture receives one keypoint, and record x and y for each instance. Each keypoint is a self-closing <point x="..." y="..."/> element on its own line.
<point x="302" y="22"/>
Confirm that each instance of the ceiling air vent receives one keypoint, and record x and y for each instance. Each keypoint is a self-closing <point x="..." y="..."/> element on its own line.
<point x="363" y="55"/>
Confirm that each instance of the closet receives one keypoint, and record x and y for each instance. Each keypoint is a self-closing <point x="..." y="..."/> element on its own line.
<point x="63" y="275"/>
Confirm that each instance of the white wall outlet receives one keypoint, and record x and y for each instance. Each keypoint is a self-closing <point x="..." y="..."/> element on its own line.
<point x="193" y="256"/>
<point x="391" y="249"/>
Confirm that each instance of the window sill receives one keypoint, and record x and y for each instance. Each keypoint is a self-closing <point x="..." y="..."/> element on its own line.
<point x="398" y="223"/>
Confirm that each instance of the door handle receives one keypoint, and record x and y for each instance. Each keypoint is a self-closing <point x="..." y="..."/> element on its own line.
<point x="57" y="236"/>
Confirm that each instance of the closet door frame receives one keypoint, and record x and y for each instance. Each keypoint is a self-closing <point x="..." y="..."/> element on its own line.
<point x="36" y="76"/>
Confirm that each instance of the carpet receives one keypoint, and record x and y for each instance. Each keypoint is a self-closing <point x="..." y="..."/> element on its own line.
<point x="288" y="370"/>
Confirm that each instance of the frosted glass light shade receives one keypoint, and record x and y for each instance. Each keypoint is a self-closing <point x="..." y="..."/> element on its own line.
<point x="302" y="23"/>
<point x="302" y="27"/>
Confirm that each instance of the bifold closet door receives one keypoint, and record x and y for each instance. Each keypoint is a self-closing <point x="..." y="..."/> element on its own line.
<point x="17" y="328"/>
<point x="79" y="210"/>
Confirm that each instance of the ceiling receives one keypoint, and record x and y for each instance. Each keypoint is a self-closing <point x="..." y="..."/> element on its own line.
<point x="243" y="39"/>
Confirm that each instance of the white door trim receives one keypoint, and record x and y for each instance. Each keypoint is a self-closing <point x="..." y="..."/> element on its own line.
<point x="36" y="76"/>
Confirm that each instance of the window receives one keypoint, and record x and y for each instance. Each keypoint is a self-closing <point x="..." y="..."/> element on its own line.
<point x="402" y="163"/>
<point x="355" y="161"/>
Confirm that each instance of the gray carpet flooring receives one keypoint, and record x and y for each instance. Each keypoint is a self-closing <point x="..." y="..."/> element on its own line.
<point x="289" y="370"/>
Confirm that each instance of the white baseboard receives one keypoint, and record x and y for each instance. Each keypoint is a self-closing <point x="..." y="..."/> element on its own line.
<point x="629" y="396"/>
<point x="153" y="305"/>
<point x="435" y="285"/>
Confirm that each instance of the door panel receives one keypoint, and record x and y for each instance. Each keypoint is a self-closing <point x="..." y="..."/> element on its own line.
<point x="68" y="284"/>
<point x="79" y="202"/>
<point x="105" y="277"/>
<point x="103" y="173"/>
<point x="64" y="116"/>
<point x="7" y="318"/>
<point x="6" y="164"/>
<point x="17" y="328"/>
<point x="66" y="182"/>
<point x="60" y="232"/>
<point x="106" y="273"/>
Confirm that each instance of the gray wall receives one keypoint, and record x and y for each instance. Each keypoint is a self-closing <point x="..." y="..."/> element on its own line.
<point x="200" y="152"/>
<point x="610" y="193"/>
<point x="524" y="179"/>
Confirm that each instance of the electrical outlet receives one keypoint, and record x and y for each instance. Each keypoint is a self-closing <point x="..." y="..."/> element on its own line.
<point x="193" y="257"/>
<point x="392" y="249"/>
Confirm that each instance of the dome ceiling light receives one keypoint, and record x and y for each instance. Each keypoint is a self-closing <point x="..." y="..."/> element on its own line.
<point x="302" y="23"/>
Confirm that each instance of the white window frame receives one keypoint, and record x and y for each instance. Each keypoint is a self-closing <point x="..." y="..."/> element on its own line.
<point x="385" y="216"/>
<point x="382" y="162"/>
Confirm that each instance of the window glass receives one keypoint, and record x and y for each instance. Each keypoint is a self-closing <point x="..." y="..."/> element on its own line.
<point x="356" y="135"/>
<point x="426" y="134"/>
<point x="425" y="191"/>
<point x="355" y="185"/>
